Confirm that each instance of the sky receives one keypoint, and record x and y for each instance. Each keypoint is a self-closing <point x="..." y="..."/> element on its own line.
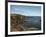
<point x="25" y="10"/>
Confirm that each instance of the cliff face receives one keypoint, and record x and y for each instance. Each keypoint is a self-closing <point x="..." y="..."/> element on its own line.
<point x="25" y="23"/>
<point x="16" y="22"/>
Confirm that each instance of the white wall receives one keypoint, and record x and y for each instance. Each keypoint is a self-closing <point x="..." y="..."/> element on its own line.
<point x="32" y="0"/>
<point x="2" y="17"/>
<point x="2" y="20"/>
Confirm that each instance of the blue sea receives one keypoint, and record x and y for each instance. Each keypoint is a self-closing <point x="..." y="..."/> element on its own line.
<point x="32" y="21"/>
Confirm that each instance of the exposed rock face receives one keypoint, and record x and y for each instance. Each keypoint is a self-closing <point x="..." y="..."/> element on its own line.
<point x="17" y="22"/>
<point x="25" y="23"/>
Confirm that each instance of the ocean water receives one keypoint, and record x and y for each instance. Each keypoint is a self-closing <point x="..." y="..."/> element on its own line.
<point x="32" y="22"/>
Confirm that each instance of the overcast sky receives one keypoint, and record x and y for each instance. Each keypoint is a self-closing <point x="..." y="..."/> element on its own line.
<point x="26" y="10"/>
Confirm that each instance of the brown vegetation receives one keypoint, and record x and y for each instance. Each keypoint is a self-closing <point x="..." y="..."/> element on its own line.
<point x="16" y="22"/>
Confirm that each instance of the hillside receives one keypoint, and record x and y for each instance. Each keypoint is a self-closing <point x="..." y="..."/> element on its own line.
<point x="25" y="23"/>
